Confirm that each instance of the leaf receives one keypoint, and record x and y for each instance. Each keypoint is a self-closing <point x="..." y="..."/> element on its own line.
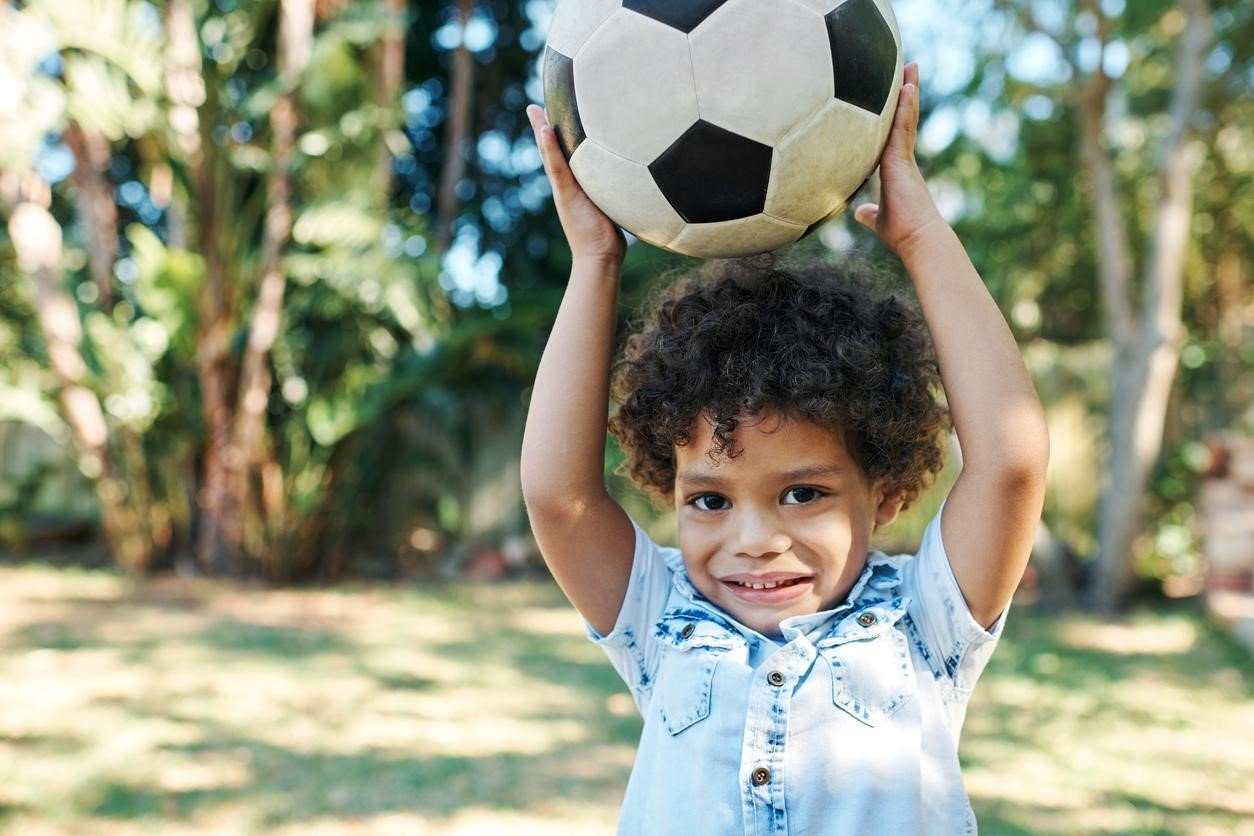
<point x="100" y="99"/>
<point x="31" y="104"/>
<point x="24" y="402"/>
<point x="166" y="286"/>
<point x="330" y="419"/>
<point x="127" y="34"/>
<point x="337" y="224"/>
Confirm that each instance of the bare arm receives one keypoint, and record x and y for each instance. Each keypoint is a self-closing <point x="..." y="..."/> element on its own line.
<point x="585" y="537"/>
<point x="992" y="512"/>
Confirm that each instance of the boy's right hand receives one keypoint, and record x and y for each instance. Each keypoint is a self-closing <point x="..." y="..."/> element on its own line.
<point x="590" y="233"/>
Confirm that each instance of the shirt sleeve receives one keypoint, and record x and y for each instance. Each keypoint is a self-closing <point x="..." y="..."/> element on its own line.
<point x="630" y="646"/>
<point x="945" y="632"/>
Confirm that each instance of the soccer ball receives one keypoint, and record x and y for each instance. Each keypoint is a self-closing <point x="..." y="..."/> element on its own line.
<point x="719" y="128"/>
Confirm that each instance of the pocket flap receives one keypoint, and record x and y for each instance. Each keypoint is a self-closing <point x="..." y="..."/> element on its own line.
<point x="686" y="678"/>
<point x="872" y="677"/>
<point x="866" y="623"/>
<point x="685" y="629"/>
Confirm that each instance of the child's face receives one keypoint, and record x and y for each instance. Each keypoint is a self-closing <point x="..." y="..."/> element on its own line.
<point x="793" y="509"/>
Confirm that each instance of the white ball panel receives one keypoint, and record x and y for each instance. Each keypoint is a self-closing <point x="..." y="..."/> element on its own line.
<point x="729" y="239"/>
<point x="820" y="6"/>
<point x="625" y="191"/>
<point x="749" y="51"/>
<point x="823" y="221"/>
<point x="575" y="20"/>
<point x="819" y="165"/>
<point x="633" y="83"/>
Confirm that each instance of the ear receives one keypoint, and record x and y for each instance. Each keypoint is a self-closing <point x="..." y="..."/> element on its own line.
<point x="889" y="505"/>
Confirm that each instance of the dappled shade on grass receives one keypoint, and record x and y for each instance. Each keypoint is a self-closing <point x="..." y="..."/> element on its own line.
<point x="186" y="706"/>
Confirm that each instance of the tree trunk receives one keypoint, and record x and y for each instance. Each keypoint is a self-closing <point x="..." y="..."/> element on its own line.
<point x="37" y="238"/>
<point x="253" y="457"/>
<point x="1230" y="294"/>
<point x="1147" y="348"/>
<point x="96" y="210"/>
<point x="1055" y="568"/>
<point x="216" y="542"/>
<point x="456" y="133"/>
<point x="389" y="75"/>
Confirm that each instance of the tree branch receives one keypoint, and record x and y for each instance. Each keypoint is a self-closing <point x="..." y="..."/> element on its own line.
<point x="1177" y="160"/>
<point x="1114" y="251"/>
<point x="456" y="132"/>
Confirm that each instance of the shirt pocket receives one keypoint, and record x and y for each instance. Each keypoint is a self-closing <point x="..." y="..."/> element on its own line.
<point x="872" y="676"/>
<point x="692" y="646"/>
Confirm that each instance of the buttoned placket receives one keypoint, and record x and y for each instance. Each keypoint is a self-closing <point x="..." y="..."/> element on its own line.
<point x="766" y="736"/>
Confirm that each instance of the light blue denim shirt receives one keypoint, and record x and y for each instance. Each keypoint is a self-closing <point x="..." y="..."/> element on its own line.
<point x="847" y="725"/>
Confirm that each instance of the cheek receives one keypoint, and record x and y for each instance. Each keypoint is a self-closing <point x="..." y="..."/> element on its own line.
<point x="835" y="529"/>
<point x="697" y="544"/>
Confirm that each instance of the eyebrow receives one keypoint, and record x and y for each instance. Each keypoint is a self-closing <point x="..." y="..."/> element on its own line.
<point x="800" y="474"/>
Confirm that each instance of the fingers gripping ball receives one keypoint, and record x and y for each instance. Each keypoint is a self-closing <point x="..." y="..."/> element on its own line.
<point x="720" y="128"/>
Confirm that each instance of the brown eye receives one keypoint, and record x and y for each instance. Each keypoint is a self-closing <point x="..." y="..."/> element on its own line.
<point x="801" y="496"/>
<point x="710" y="502"/>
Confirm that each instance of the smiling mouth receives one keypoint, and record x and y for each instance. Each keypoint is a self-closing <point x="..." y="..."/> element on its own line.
<point x="768" y="584"/>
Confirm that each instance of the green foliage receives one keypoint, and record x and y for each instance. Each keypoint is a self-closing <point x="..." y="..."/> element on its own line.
<point x="392" y="393"/>
<point x="1023" y="212"/>
<point x="384" y="395"/>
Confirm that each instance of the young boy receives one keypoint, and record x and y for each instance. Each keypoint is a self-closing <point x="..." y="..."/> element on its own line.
<point x="789" y="681"/>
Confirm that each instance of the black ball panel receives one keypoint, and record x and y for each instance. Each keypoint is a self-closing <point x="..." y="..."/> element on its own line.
<point x="864" y="54"/>
<point x="711" y="174"/>
<point x="684" y="15"/>
<point x="559" y="100"/>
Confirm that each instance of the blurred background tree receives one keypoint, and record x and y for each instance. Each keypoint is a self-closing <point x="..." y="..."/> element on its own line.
<point x="279" y="273"/>
<point x="1100" y="177"/>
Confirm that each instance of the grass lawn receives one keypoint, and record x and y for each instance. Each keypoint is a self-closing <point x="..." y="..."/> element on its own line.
<point x="195" y="707"/>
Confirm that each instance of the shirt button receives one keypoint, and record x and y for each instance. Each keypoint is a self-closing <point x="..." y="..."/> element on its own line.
<point x="775" y="678"/>
<point x="687" y="631"/>
<point x="866" y="619"/>
<point x="761" y="775"/>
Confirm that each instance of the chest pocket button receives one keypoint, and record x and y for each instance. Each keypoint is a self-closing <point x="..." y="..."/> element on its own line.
<point x="687" y="631"/>
<point x="866" y="619"/>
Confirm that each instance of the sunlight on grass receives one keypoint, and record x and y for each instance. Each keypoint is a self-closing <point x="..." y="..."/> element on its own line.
<point x="1143" y="726"/>
<point x="1176" y="636"/>
<point x="191" y="707"/>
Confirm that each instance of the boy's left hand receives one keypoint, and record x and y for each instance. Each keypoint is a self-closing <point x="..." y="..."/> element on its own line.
<point x="906" y="207"/>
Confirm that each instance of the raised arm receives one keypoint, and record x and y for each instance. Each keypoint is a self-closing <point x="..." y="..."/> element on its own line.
<point x="992" y="512"/>
<point x="585" y="537"/>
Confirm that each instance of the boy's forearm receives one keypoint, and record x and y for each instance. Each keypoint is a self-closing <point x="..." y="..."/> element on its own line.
<point x="996" y="412"/>
<point x="563" y="452"/>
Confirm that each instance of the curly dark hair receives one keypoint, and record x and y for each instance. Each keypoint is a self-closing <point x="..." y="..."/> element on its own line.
<point x="816" y="342"/>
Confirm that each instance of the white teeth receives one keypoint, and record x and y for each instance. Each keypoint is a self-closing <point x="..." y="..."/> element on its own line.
<point x="768" y="585"/>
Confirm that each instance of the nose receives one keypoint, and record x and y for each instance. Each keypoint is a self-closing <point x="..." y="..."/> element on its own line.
<point x="759" y="535"/>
